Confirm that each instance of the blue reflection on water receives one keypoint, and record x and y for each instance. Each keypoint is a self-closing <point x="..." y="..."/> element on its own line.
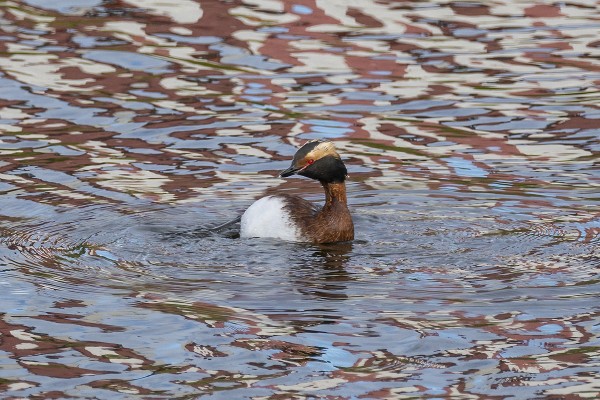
<point x="128" y="60"/>
<point x="301" y="9"/>
<point x="466" y="168"/>
<point x="65" y="6"/>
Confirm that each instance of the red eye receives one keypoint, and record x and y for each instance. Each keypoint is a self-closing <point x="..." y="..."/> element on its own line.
<point x="309" y="162"/>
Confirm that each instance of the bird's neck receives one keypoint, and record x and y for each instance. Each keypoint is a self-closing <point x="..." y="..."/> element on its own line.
<point x="334" y="222"/>
<point x="334" y="193"/>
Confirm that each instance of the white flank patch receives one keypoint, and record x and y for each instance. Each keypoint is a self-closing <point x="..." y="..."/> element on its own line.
<point x="268" y="218"/>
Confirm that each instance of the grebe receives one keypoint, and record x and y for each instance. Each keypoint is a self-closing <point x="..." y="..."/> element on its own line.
<point x="292" y="218"/>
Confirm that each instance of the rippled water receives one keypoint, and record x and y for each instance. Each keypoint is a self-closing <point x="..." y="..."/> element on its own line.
<point x="471" y="134"/>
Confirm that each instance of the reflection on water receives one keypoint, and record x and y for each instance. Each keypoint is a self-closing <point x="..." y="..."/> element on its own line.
<point x="129" y="129"/>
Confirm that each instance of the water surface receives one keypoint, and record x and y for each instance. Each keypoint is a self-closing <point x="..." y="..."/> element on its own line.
<point x="470" y="131"/>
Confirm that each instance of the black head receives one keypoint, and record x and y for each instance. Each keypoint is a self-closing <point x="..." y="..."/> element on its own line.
<point x="318" y="160"/>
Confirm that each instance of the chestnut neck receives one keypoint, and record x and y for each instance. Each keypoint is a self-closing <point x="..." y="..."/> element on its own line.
<point x="334" y="192"/>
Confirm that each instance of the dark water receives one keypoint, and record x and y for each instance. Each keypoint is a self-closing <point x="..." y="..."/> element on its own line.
<point x="471" y="133"/>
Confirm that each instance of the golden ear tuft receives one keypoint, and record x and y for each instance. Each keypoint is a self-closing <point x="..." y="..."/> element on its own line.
<point x="324" y="148"/>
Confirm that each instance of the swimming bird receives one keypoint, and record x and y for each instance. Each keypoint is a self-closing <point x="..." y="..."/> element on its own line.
<point x="291" y="217"/>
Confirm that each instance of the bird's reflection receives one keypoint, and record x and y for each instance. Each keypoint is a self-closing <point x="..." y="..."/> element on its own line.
<point x="322" y="273"/>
